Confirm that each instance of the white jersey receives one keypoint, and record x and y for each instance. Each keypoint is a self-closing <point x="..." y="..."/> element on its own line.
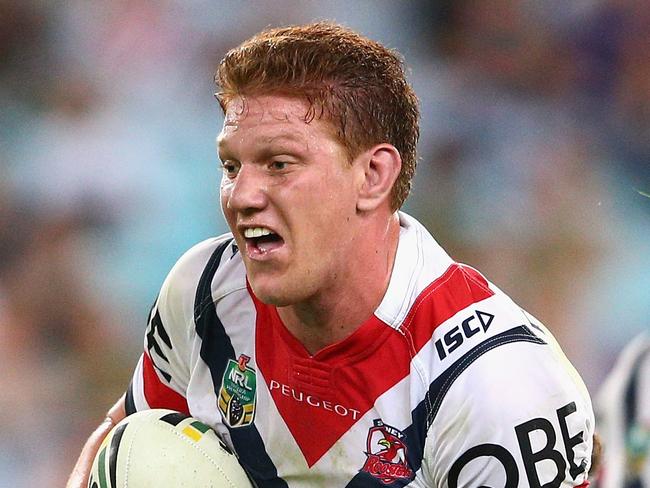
<point x="448" y="384"/>
<point x="623" y="412"/>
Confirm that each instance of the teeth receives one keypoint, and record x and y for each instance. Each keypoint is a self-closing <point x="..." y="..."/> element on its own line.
<point x="256" y="232"/>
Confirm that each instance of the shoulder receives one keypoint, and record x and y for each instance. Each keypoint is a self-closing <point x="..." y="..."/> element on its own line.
<point x="199" y="264"/>
<point x="191" y="265"/>
<point x="515" y="404"/>
<point x="513" y="377"/>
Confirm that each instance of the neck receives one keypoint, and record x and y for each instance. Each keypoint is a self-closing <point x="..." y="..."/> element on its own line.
<point x="356" y="291"/>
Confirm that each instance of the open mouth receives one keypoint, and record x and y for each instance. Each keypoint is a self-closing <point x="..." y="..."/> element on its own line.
<point x="261" y="240"/>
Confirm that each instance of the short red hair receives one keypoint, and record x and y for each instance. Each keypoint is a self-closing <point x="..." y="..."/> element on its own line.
<point x="355" y="82"/>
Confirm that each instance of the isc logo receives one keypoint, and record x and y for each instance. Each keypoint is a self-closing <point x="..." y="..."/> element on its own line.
<point x="454" y="338"/>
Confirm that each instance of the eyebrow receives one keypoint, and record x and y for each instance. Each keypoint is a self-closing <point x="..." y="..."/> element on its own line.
<point x="287" y="136"/>
<point x="265" y="145"/>
<point x="283" y="136"/>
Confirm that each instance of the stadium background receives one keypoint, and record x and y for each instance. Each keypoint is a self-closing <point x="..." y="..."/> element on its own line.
<point x="535" y="145"/>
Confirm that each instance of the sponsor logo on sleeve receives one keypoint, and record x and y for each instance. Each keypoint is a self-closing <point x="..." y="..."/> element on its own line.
<point x="477" y="323"/>
<point x="548" y="455"/>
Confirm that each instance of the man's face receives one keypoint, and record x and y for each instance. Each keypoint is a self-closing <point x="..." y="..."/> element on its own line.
<point x="289" y="196"/>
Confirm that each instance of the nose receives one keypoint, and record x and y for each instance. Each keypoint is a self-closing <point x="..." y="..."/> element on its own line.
<point x="247" y="192"/>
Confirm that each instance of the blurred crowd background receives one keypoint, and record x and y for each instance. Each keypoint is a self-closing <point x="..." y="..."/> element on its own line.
<point x="534" y="161"/>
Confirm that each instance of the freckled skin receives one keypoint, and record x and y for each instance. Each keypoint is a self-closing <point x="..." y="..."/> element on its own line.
<point x="295" y="178"/>
<point x="303" y="202"/>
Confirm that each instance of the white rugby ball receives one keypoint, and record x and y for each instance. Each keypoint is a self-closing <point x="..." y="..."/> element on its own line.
<point x="165" y="449"/>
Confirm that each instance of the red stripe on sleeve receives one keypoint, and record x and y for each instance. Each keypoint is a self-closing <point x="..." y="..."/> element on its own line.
<point x="158" y="394"/>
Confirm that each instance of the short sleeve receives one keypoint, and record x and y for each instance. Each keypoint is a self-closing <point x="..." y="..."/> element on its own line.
<point x="514" y="418"/>
<point x="162" y="373"/>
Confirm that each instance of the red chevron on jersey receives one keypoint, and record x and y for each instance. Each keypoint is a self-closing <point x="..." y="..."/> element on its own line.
<point x="339" y="384"/>
<point x="445" y="352"/>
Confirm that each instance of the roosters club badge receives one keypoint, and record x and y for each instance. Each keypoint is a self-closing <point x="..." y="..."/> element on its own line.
<point x="237" y="393"/>
<point x="386" y="453"/>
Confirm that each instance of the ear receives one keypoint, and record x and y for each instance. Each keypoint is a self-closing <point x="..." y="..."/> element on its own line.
<point x="381" y="166"/>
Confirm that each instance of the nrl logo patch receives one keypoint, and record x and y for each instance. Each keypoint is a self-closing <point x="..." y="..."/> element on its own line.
<point x="237" y="393"/>
<point x="386" y="453"/>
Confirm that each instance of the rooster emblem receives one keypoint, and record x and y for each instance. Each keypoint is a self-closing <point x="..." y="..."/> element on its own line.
<point x="386" y="453"/>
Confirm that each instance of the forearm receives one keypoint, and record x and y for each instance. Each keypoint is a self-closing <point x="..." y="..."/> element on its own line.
<point x="81" y="472"/>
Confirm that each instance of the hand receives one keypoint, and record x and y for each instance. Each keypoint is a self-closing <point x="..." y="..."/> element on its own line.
<point x="81" y="471"/>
